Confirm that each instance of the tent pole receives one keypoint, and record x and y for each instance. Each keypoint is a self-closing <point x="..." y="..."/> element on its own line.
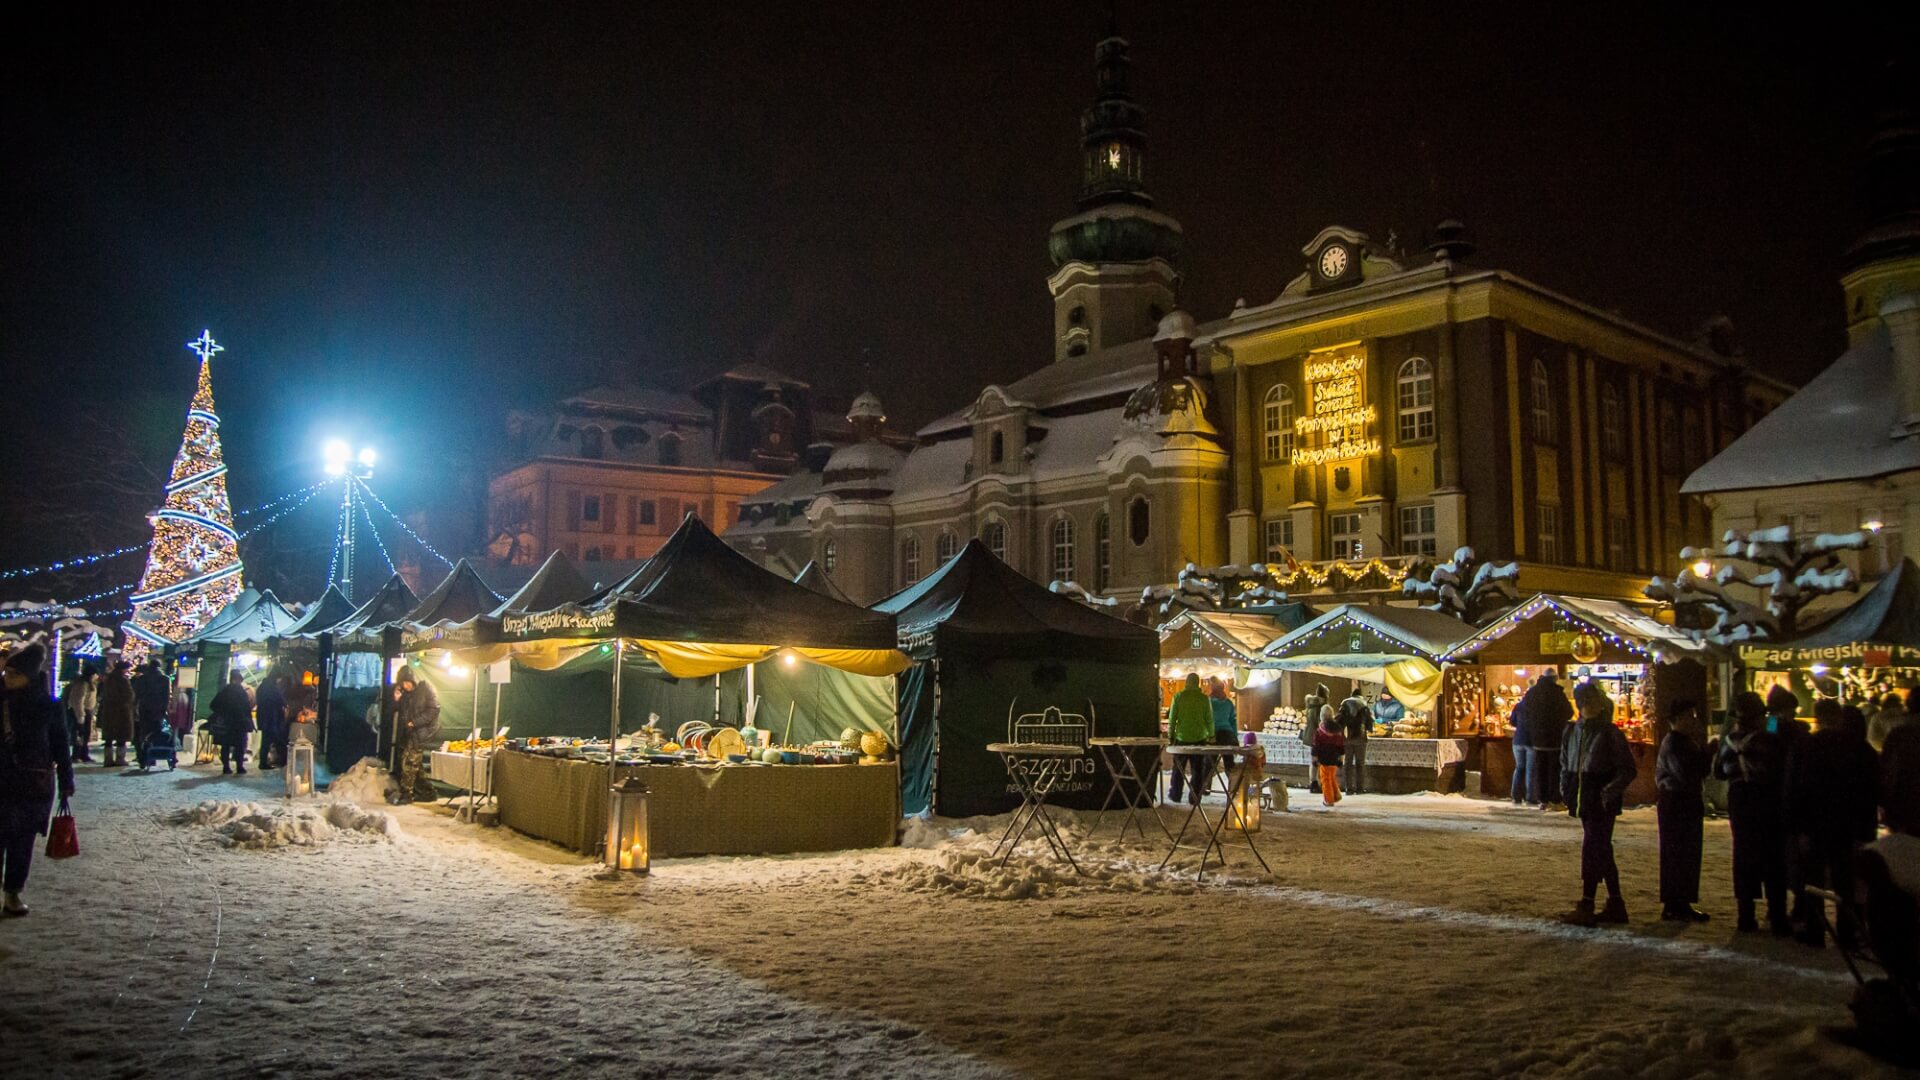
<point x="496" y="734"/>
<point x="613" y="736"/>
<point x="473" y="746"/>
<point x="716" y="699"/>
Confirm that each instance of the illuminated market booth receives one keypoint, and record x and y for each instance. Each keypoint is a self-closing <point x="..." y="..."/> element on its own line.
<point x="1227" y="645"/>
<point x="1641" y="663"/>
<point x="696" y="641"/>
<point x="1870" y="648"/>
<point x="998" y="658"/>
<point x="1367" y="647"/>
<point x="350" y="658"/>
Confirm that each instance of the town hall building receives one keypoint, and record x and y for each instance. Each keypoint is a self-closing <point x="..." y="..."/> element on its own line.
<point x="1385" y="407"/>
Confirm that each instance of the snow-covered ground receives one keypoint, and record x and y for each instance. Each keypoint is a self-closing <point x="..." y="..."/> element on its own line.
<point x="1397" y="937"/>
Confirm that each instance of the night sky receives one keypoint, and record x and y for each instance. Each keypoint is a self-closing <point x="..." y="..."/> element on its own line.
<point x="402" y="222"/>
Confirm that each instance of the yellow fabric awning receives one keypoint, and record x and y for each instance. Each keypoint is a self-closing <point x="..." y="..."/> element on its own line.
<point x="683" y="659"/>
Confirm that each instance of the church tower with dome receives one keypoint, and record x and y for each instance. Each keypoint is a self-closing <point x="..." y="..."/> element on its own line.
<point x="1115" y="261"/>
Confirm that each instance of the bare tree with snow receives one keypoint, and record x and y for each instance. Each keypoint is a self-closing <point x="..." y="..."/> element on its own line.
<point x="1463" y="586"/>
<point x="1787" y="573"/>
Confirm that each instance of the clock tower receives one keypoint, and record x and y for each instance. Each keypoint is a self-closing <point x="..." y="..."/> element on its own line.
<point x="1114" y="276"/>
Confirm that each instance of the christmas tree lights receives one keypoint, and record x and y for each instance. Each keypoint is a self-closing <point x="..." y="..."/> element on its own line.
<point x="193" y="562"/>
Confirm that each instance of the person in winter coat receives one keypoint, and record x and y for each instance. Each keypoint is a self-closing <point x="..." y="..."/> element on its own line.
<point x="1226" y="719"/>
<point x="231" y="724"/>
<point x="270" y="712"/>
<point x="1547" y="716"/>
<point x="1388" y="709"/>
<point x="418" y="714"/>
<point x="1329" y="747"/>
<point x="1752" y="760"/>
<point x="1320" y="700"/>
<point x="1518" y="786"/>
<point x="152" y="694"/>
<point x="1900" y="774"/>
<point x="1783" y="714"/>
<point x="1679" y="771"/>
<point x="82" y="701"/>
<point x="1356" y="723"/>
<point x="116" y="715"/>
<point x="1832" y="804"/>
<point x="1189" y="723"/>
<point x="1888" y="713"/>
<point x="1596" y="769"/>
<point x="35" y="761"/>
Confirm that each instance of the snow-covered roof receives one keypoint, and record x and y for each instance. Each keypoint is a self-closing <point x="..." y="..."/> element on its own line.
<point x="1113" y="372"/>
<point x="933" y="469"/>
<point x="1074" y="443"/>
<point x="1243" y="635"/>
<point x="1424" y="634"/>
<point x="1634" y="628"/>
<point x="1838" y="427"/>
<point x="867" y="405"/>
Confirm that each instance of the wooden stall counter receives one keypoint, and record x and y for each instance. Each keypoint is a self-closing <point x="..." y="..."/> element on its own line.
<point x="1394" y="766"/>
<point x="705" y="810"/>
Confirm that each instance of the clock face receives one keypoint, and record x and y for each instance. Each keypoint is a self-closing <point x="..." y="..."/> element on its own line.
<point x="1333" y="261"/>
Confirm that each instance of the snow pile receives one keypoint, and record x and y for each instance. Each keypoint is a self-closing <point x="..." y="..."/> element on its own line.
<point x="367" y="783"/>
<point x="255" y="827"/>
<point x="975" y="874"/>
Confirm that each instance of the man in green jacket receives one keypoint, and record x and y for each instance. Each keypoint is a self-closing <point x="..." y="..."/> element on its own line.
<point x="1190" y="723"/>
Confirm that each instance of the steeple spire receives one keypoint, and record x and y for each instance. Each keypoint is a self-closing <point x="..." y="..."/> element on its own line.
<point x="1113" y="132"/>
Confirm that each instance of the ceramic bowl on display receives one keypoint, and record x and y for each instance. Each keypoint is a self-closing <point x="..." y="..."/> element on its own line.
<point x="789" y="757"/>
<point x="737" y="759"/>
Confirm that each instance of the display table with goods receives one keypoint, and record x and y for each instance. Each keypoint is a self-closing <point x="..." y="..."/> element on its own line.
<point x="1395" y="766"/>
<point x="707" y="795"/>
<point x="465" y="765"/>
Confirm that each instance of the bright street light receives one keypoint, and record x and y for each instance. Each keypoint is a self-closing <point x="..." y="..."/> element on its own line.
<point x="342" y="461"/>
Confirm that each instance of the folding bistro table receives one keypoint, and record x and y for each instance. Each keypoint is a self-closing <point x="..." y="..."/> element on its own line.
<point x="1035" y="768"/>
<point x="1123" y="755"/>
<point x="1236" y="782"/>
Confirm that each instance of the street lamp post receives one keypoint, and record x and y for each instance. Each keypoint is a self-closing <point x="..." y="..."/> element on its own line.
<point x="353" y="468"/>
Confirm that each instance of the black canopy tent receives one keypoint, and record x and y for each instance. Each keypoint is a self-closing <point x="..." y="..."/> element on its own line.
<point x="365" y="629"/>
<point x="1878" y="631"/>
<point x="993" y="652"/>
<point x="816" y="579"/>
<point x="699" y="610"/>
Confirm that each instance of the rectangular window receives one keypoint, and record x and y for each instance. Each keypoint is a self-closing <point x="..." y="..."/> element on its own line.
<point x="646" y="512"/>
<point x="590" y="508"/>
<point x="1808" y="526"/>
<point x="1617" y="544"/>
<point x="1345" y="532"/>
<point x="1547" y="527"/>
<point x="670" y="512"/>
<point x="1417" y="531"/>
<point x="1277" y="537"/>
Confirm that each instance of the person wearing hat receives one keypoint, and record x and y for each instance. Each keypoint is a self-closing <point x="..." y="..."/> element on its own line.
<point x="417" y="716"/>
<point x="1596" y="768"/>
<point x="116" y="714"/>
<point x="36" y="759"/>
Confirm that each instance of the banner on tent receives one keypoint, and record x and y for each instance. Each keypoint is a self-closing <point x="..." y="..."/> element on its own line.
<point x="583" y="623"/>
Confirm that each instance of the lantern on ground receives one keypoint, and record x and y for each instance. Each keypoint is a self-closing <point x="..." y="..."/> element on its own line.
<point x="1243" y="811"/>
<point x="629" y="844"/>
<point x="299" y="769"/>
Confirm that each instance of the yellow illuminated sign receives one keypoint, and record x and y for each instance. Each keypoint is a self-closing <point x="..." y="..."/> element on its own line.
<point x="1340" y="411"/>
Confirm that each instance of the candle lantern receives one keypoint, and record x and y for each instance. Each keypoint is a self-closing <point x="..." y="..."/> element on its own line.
<point x="299" y="768"/>
<point x="1244" y="812"/>
<point x="629" y="844"/>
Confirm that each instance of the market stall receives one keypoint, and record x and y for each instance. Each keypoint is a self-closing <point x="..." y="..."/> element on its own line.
<point x="998" y="658"/>
<point x="1641" y="663"/>
<point x="697" y="640"/>
<point x="244" y="636"/>
<point x="1227" y="644"/>
<point x="351" y="651"/>
<point x="1871" y="648"/>
<point x="1373" y="646"/>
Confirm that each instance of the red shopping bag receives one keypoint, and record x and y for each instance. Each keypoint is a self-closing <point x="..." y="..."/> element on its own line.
<point x="63" y="839"/>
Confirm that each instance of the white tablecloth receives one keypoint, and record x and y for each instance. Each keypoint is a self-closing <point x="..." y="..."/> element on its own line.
<point x="452" y="770"/>
<point x="1435" y="754"/>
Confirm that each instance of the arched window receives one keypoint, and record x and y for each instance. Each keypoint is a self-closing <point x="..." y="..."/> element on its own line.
<point x="1063" y="549"/>
<point x="1276" y="423"/>
<point x="670" y="449"/>
<point x="946" y="547"/>
<point x="829" y="556"/>
<point x="996" y="448"/>
<point x="1415" y="400"/>
<point x="994" y="535"/>
<point x="1542" y="404"/>
<point x="1139" y="525"/>
<point x="1102" y="553"/>
<point x="909" y="560"/>
<point x="593" y="443"/>
<point x="1613" y="428"/>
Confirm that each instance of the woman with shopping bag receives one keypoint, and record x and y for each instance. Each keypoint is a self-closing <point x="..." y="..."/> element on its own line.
<point x="36" y="759"/>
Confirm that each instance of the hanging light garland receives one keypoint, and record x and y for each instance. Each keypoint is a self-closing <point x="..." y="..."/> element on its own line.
<point x="1507" y="623"/>
<point x="404" y="527"/>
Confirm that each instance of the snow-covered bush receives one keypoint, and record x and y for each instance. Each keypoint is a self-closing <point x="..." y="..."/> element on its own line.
<point x="1787" y="571"/>
<point x="1463" y="586"/>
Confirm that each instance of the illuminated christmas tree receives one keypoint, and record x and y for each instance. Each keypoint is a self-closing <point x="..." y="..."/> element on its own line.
<point x="193" y="564"/>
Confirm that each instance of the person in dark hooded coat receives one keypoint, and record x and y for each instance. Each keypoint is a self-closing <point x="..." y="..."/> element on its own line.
<point x="36" y="759"/>
<point x="152" y="694"/>
<point x="1832" y="803"/>
<point x="1752" y="760"/>
<point x="231" y="724"/>
<point x="116" y="715"/>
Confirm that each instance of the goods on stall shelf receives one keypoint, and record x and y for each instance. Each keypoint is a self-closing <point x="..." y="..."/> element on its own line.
<point x="707" y="745"/>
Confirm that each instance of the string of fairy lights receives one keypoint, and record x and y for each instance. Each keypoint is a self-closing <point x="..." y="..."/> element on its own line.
<point x="404" y="527"/>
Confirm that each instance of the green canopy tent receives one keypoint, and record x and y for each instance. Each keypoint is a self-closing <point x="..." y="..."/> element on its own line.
<point x="993" y="652"/>
<point x="253" y="619"/>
